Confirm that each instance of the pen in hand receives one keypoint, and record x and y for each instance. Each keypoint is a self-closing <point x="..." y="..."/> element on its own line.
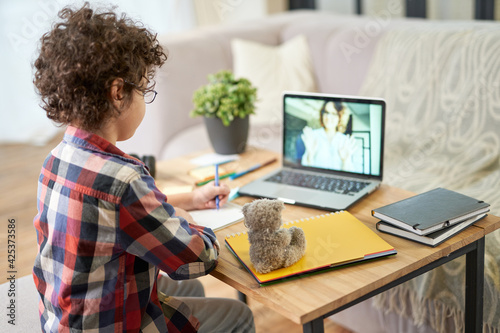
<point x="217" y="184"/>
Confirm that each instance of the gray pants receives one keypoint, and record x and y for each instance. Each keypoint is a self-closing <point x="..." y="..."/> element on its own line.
<point x="222" y="315"/>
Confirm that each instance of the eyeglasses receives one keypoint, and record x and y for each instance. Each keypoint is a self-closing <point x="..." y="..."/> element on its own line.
<point x="149" y="95"/>
<point x="335" y="114"/>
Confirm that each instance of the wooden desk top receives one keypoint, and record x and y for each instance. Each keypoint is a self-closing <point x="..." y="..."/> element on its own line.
<point x="305" y="299"/>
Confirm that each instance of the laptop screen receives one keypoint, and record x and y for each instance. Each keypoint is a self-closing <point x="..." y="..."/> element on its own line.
<point x="333" y="133"/>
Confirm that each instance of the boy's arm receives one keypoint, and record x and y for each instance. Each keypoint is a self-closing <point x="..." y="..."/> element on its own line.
<point x="149" y="230"/>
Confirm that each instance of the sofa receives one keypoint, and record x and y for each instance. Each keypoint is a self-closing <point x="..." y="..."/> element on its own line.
<point x="441" y="82"/>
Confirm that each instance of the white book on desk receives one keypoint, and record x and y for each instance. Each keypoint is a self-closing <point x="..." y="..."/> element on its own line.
<point x="432" y="239"/>
<point x="217" y="219"/>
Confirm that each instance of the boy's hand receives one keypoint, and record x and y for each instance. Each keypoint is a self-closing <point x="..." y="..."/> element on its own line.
<point x="204" y="197"/>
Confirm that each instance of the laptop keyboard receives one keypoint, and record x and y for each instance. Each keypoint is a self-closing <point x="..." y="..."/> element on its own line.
<point x="323" y="183"/>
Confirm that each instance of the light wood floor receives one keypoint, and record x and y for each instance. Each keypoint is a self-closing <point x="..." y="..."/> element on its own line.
<point x="19" y="169"/>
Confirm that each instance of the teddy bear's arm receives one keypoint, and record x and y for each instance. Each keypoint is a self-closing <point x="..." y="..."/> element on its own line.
<point x="284" y="236"/>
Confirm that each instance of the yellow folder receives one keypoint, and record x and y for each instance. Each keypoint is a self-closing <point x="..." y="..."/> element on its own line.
<point x="333" y="239"/>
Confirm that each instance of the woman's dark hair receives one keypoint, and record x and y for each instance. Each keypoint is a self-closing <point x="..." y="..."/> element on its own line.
<point x="338" y="107"/>
<point x="345" y="120"/>
<point x="82" y="56"/>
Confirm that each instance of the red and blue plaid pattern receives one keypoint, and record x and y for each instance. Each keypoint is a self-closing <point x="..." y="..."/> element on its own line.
<point x="104" y="230"/>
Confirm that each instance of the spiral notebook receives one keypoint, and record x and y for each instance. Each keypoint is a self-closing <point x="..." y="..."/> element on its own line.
<point x="333" y="240"/>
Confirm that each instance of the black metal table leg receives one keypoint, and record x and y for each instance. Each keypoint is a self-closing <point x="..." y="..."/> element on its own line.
<point x="474" y="288"/>
<point x="242" y="297"/>
<point x="314" y="326"/>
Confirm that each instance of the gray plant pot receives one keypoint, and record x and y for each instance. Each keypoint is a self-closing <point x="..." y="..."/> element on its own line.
<point x="228" y="140"/>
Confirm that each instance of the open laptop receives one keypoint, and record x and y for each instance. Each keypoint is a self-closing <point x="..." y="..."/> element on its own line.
<point x="333" y="148"/>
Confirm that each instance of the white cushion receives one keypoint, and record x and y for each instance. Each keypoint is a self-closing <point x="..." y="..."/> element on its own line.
<point x="273" y="69"/>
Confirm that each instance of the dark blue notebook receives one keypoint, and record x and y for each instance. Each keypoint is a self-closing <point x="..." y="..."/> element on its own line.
<point x="431" y="211"/>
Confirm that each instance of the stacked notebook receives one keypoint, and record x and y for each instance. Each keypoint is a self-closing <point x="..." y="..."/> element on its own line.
<point x="333" y="240"/>
<point x="431" y="217"/>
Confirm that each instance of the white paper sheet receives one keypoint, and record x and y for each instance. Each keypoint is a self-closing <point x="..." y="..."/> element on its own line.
<point x="217" y="219"/>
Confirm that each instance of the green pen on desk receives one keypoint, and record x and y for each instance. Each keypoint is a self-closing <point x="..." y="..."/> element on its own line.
<point x="209" y="180"/>
<point x="253" y="168"/>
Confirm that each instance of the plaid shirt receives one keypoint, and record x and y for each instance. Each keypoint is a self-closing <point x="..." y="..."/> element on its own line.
<point x="104" y="230"/>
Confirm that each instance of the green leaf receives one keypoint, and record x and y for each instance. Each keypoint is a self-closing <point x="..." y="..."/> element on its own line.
<point x="224" y="97"/>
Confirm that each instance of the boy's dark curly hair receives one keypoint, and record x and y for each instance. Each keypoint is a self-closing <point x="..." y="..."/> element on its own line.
<point x="82" y="56"/>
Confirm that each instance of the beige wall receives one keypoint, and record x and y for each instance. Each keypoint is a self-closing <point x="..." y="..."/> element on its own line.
<point x="450" y="9"/>
<point x="276" y="6"/>
<point x="210" y="12"/>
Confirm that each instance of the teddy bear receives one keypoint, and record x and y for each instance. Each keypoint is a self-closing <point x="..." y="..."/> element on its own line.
<point x="271" y="247"/>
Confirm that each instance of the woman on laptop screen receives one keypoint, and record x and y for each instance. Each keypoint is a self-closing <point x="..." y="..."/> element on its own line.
<point x="331" y="146"/>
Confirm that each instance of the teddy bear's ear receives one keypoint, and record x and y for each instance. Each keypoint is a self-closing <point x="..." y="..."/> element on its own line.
<point x="245" y="207"/>
<point x="278" y="205"/>
<point x="246" y="210"/>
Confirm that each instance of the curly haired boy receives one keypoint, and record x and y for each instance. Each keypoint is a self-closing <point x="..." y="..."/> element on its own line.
<point x="104" y="230"/>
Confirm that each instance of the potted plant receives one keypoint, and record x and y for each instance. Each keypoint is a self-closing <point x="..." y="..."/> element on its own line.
<point x="226" y="103"/>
